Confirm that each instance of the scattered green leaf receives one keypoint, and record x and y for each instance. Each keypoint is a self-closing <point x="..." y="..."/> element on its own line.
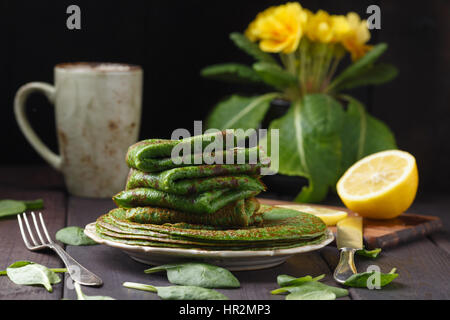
<point x="312" y="295"/>
<point x="179" y="292"/>
<point x="30" y="273"/>
<point x="369" y="253"/>
<point x="274" y="75"/>
<point x="285" y="280"/>
<point x="74" y="236"/>
<point x="198" y="274"/>
<point x="311" y="286"/>
<point x="361" y="280"/>
<point x="82" y="296"/>
<point x="11" y="207"/>
<point x="34" y="204"/>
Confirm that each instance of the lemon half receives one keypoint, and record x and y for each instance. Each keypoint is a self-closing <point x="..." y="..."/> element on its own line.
<point x="380" y="186"/>
<point x="329" y="216"/>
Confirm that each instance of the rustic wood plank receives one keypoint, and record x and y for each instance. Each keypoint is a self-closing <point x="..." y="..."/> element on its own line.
<point x="13" y="249"/>
<point x="31" y="177"/>
<point x="422" y="266"/>
<point x="115" y="267"/>
<point x="386" y="233"/>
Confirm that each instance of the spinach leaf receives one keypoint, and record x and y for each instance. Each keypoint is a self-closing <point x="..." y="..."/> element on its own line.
<point x="82" y="296"/>
<point x="360" y="280"/>
<point x="11" y="207"/>
<point x="312" y="286"/>
<point x="286" y="281"/>
<point x="30" y="273"/>
<point x="179" y="292"/>
<point x="310" y="144"/>
<point x="369" y="253"/>
<point x="34" y="204"/>
<point x="198" y="274"/>
<point x="240" y="112"/>
<point x="74" y="236"/>
<point x="312" y="295"/>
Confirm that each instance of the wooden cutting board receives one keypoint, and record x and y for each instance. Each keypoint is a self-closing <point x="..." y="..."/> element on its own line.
<point x="386" y="233"/>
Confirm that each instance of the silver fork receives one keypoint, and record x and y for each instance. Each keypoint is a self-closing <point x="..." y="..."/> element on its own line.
<point x="76" y="271"/>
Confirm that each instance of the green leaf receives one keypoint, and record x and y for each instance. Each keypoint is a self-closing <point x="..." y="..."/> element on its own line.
<point x="82" y="296"/>
<point x="310" y="144"/>
<point x="369" y="253"/>
<point x="312" y="295"/>
<point x="359" y="67"/>
<point x="198" y="274"/>
<point x="74" y="236"/>
<point x="11" y="207"/>
<point x="274" y="75"/>
<point x="179" y="292"/>
<point x="361" y="280"/>
<point x="312" y="286"/>
<point x="372" y="75"/>
<point x="30" y="273"/>
<point x="232" y="72"/>
<point x="238" y="112"/>
<point x="286" y="281"/>
<point x="34" y="204"/>
<point x="251" y="48"/>
<point x="362" y="134"/>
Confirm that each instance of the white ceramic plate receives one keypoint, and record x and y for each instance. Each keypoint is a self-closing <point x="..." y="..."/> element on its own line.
<point x="232" y="260"/>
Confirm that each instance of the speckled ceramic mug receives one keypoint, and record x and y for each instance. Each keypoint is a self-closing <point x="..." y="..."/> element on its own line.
<point x="98" y="112"/>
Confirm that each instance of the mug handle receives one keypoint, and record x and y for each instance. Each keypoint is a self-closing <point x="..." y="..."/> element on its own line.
<point x="19" y="110"/>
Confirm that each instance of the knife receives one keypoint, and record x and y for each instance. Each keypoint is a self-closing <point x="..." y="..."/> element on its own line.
<point x="349" y="240"/>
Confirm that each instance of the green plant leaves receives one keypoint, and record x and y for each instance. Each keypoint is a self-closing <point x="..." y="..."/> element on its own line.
<point x="370" y="75"/>
<point x="312" y="295"/>
<point x="82" y="296"/>
<point x="361" y="280"/>
<point x="362" y="134"/>
<point x="310" y="144"/>
<point x="274" y="75"/>
<point x="369" y="253"/>
<point x="240" y="112"/>
<point x="198" y="274"/>
<point x="251" y="48"/>
<point x="179" y="292"/>
<point x="30" y="273"/>
<point x="359" y="67"/>
<point x="232" y="72"/>
<point x="74" y="236"/>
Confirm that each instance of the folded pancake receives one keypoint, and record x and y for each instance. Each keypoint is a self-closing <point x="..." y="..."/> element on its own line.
<point x="241" y="213"/>
<point x="198" y="179"/>
<point x="155" y="155"/>
<point x="279" y="225"/>
<point x="204" y="203"/>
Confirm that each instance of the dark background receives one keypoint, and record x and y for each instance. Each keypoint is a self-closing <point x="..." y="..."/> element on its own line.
<point x="173" y="40"/>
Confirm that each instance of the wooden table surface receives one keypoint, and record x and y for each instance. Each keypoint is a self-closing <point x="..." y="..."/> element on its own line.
<point x="423" y="265"/>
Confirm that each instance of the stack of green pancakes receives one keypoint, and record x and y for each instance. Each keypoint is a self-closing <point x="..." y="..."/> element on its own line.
<point x="198" y="193"/>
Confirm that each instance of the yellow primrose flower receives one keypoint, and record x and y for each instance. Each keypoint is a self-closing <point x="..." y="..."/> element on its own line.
<point x="278" y="29"/>
<point x="355" y="40"/>
<point x="340" y="26"/>
<point x="320" y="27"/>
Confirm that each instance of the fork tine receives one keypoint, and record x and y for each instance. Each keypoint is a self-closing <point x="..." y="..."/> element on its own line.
<point x="24" y="237"/>
<point x="36" y="226"/>
<point x="45" y="228"/>
<point x="29" y="229"/>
